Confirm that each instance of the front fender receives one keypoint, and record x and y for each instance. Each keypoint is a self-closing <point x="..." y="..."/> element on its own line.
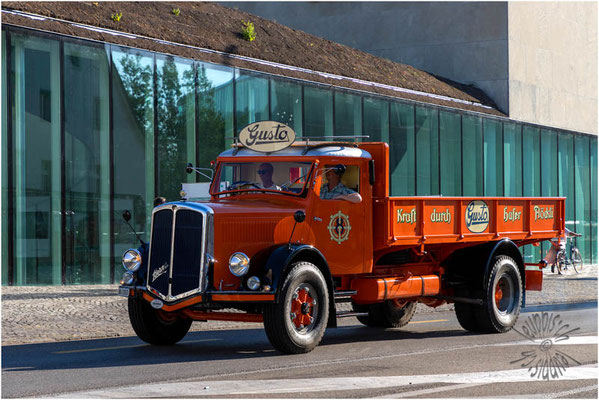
<point x="283" y="257"/>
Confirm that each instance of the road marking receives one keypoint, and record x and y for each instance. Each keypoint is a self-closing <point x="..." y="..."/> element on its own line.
<point x="572" y="340"/>
<point x="126" y="347"/>
<point x="557" y="395"/>
<point x="428" y="391"/>
<point x="282" y="386"/>
<point x="428" y="321"/>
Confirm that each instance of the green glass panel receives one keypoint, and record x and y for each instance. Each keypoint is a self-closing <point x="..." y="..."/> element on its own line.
<point x="4" y="216"/>
<point x="401" y="151"/>
<point x="251" y="98"/>
<point x="472" y="155"/>
<point x="286" y="104"/>
<point x="493" y="158"/>
<point x="566" y="175"/>
<point x="531" y="160"/>
<point x="175" y="92"/>
<point x="450" y="135"/>
<point x="427" y="152"/>
<point x="215" y="112"/>
<point x="582" y="188"/>
<point x="594" y="193"/>
<point x="36" y="135"/>
<point x="376" y="120"/>
<point x="318" y="112"/>
<point x="531" y="176"/>
<point x="87" y="164"/>
<point x="133" y="151"/>
<point x="549" y="163"/>
<point x="512" y="160"/>
<point x="348" y="114"/>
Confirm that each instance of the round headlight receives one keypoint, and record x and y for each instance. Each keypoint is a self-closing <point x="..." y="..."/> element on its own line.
<point x="131" y="260"/>
<point x="127" y="278"/>
<point x="239" y="264"/>
<point x="253" y="283"/>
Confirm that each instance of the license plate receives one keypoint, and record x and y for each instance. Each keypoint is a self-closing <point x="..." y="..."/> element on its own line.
<point x="124" y="292"/>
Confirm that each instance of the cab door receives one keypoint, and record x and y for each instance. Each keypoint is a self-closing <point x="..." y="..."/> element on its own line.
<point x="341" y="229"/>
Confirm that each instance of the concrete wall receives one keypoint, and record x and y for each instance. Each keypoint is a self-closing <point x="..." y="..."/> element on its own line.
<point x="553" y="64"/>
<point x="536" y="60"/>
<point x="465" y="42"/>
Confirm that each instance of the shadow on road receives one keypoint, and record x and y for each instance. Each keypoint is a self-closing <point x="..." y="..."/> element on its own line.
<point x="196" y="347"/>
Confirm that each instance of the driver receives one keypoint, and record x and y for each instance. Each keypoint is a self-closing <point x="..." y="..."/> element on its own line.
<point x="335" y="190"/>
<point x="265" y="171"/>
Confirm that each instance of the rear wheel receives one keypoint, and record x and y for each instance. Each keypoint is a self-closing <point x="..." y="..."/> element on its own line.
<point x="502" y="297"/>
<point x="153" y="326"/>
<point x="390" y="314"/>
<point x="297" y="323"/>
<point x="465" y="312"/>
<point x="576" y="260"/>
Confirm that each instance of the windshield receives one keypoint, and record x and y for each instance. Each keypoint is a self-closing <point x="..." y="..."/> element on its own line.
<point x="279" y="177"/>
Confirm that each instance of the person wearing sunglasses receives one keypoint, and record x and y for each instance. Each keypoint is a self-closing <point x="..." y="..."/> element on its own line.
<point x="265" y="171"/>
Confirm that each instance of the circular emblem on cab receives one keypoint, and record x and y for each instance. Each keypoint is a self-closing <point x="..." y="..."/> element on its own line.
<point x="339" y="227"/>
<point x="477" y="216"/>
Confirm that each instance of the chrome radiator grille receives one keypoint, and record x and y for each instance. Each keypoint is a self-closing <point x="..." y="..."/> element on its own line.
<point x="178" y="250"/>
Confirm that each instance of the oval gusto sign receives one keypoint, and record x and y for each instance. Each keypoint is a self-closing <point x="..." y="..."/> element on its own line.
<point x="477" y="216"/>
<point x="267" y="136"/>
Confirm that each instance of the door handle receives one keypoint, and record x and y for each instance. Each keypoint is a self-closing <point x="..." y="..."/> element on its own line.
<point x="318" y="219"/>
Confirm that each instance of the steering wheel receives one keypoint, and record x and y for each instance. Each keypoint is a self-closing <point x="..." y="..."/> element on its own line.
<point x="242" y="183"/>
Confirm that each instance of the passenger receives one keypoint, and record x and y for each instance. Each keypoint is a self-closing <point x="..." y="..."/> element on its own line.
<point x="265" y="173"/>
<point x="335" y="190"/>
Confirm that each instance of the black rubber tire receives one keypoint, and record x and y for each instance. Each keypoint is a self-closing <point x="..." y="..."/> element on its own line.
<point x="367" y="320"/>
<point x="278" y="324"/>
<point x="465" y="312"/>
<point x="494" y="318"/>
<point x="562" y="262"/>
<point x="577" y="263"/>
<point x="152" y="329"/>
<point x="386" y="314"/>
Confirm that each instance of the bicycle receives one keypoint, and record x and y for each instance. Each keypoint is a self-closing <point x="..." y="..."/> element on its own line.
<point x="574" y="261"/>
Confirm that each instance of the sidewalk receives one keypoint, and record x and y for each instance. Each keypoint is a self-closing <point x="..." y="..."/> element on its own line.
<point x="35" y="314"/>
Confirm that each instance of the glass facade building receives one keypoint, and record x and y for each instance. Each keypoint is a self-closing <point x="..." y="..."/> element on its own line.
<point x="91" y="129"/>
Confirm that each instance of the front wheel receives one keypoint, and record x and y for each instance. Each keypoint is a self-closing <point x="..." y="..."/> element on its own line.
<point x="502" y="297"/>
<point x="576" y="260"/>
<point x="152" y="326"/>
<point x="297" y="323"/>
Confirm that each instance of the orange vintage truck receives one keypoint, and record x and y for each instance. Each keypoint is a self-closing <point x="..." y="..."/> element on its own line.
<point x="281" y="242"/>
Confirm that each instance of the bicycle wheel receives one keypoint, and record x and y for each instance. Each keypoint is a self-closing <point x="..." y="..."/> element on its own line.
<point x="562" y="262"/>
<point x="576" y="260"/>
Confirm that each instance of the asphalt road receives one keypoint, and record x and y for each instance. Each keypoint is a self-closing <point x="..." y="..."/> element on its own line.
<point x="431" y="357"/>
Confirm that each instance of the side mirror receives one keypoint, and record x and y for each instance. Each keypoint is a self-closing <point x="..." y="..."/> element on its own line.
<point x="189" y="168"/>
<point x="299" y="216"/>
<point x="126" y="215"/>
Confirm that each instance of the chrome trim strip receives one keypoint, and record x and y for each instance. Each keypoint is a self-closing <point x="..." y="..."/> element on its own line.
<point x="170" y="270"/>
<point x="257" y="292"/>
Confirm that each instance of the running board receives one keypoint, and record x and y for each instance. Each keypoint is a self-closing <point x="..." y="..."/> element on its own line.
<point x="345" y="314"/>
<point x="344" y="296"/>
